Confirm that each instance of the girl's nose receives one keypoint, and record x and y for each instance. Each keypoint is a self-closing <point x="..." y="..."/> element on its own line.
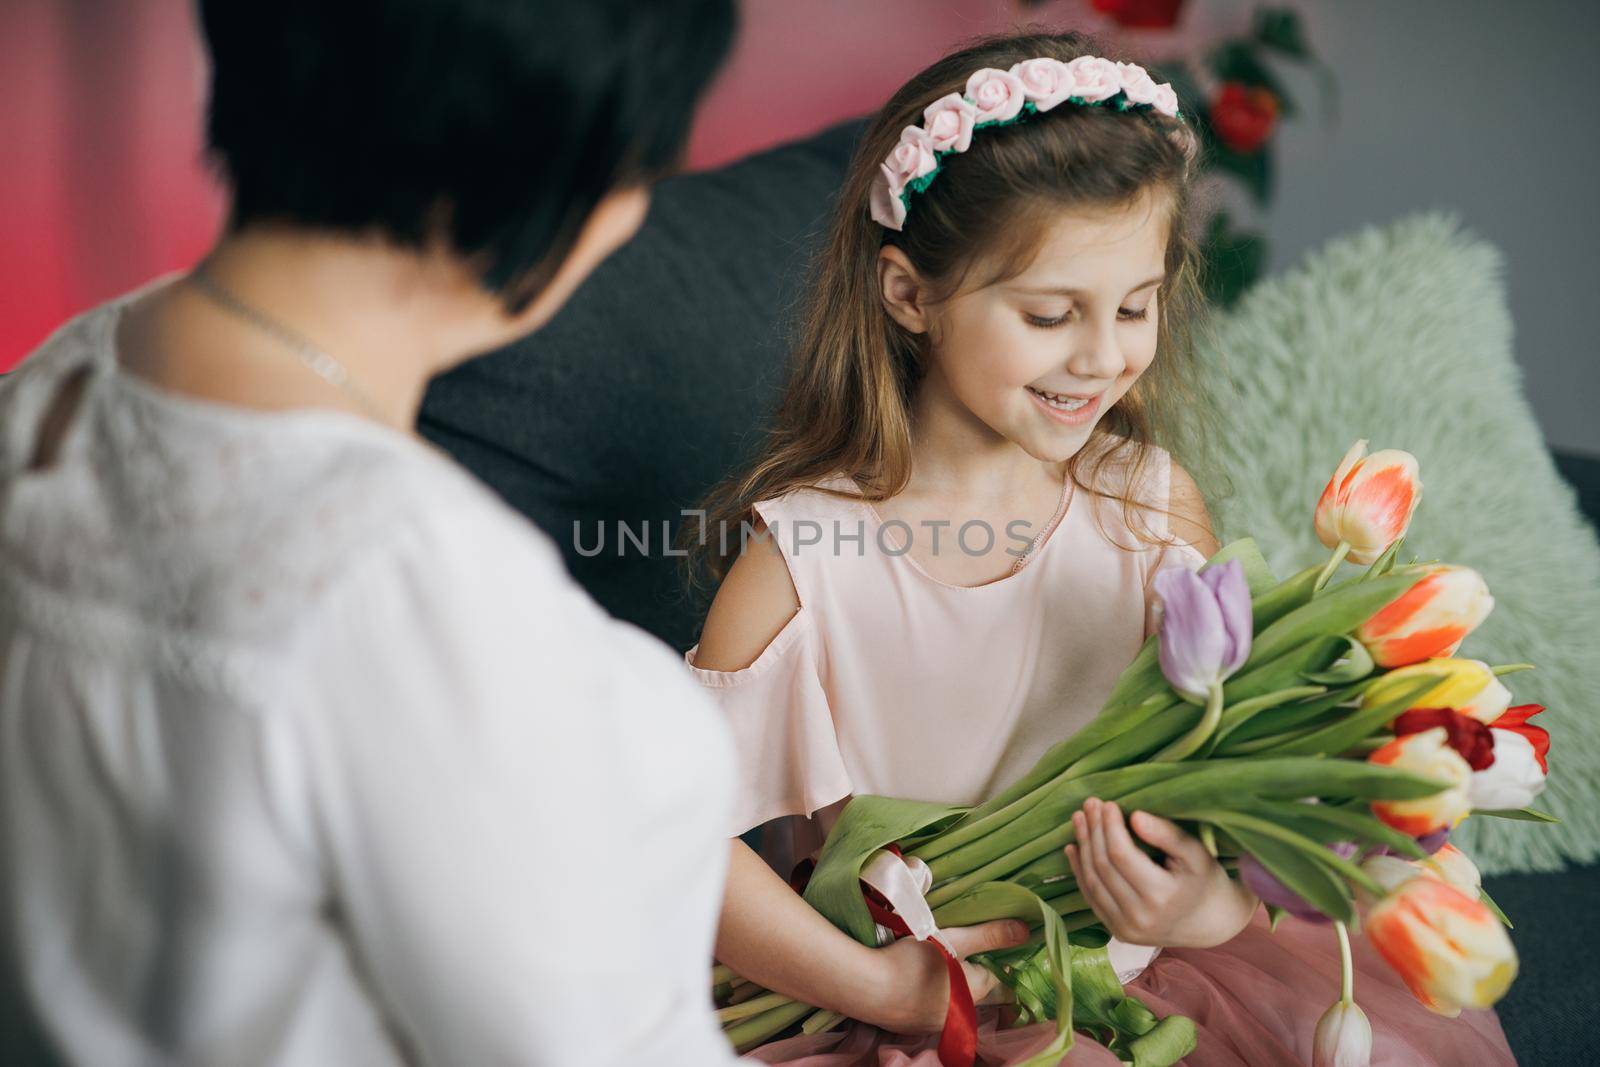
<point x="1096" y="354"/>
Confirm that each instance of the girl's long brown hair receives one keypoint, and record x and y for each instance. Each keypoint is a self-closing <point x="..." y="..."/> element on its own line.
<point x="847" y="404"/>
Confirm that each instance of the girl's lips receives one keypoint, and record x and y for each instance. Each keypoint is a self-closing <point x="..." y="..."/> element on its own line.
<point x="1069" y="418"/>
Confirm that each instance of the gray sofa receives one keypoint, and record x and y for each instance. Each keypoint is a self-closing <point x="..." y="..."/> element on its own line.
<point x="655" y="382"/>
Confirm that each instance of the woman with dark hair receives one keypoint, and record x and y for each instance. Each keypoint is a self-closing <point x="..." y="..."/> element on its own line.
<point x="310" y="750"/>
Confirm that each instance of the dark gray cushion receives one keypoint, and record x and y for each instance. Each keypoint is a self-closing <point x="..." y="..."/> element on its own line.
<point x="653" y="383"/>
<point x="1549" y="1011"/>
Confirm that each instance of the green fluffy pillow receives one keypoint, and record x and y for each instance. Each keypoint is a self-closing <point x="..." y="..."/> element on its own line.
<point x="1401" y="334"/>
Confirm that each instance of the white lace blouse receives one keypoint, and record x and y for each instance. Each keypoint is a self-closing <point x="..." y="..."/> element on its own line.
<point x="312" y="753"/>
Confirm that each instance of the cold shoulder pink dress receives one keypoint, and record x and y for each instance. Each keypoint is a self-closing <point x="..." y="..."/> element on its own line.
<point x="889" y="681"/>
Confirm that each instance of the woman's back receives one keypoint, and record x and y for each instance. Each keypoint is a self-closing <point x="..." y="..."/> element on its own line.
<point x="287" y="703"/>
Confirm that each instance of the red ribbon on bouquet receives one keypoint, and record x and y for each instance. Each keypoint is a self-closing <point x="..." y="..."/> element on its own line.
<point x="958" y="1041"/>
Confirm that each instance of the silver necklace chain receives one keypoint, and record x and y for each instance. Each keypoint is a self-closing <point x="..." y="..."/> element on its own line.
<point x="316" y="359"/>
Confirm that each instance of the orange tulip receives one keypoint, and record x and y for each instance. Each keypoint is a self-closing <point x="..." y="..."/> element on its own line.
<point x="1448" y="948"/>
<point x="1430" y="619"/>
<point x="1369" y="501"/>
<point x="1427" y="754"/>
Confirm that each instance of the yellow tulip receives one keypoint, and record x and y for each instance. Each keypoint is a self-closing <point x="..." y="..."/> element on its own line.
<point x="1490" y="703"/>
<point x="1464" y="683"/>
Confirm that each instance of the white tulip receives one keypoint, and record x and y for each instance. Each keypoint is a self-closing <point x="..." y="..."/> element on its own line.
<point x="1512" y="780"/>
<point x="1343" y="1037"/>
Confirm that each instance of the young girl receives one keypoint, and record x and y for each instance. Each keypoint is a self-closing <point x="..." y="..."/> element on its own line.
<point x="967" y="510"/>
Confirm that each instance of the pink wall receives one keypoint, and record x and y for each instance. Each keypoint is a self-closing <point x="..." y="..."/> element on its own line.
<point x="103" y="185"/>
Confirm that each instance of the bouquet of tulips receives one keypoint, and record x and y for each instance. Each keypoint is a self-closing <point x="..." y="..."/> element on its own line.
<point x="1321" y="738"/>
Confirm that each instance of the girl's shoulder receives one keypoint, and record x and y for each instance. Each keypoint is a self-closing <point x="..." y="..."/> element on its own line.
<point x="833" y="498"/>
<point x="836" y="490"/>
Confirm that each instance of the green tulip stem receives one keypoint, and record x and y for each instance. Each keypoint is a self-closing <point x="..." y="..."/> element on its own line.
<point x="1198" y="734"/>
<point x="752" y="1007"/>
<point x="1242" y="712"/>
<point x="1348" y="988"/>
<point x="1208" y="838"/>
<point x="1261" y="744"/>
<point x="819" y="1021"/>
<point x="746" y="1034"/>
<point x="1332" y="565"/>
<point x="1025" y="853"/>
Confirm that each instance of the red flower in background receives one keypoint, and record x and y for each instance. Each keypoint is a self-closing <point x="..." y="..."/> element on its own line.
<point x="1141" y="14"/>
<point x="1243" y="116"/>
<point x="1467" y="736"/>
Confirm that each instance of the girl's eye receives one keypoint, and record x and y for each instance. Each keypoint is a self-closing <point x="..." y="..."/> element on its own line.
<point x="1125" y="314"/>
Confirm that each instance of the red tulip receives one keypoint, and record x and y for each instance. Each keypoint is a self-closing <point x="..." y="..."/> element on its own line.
<point x="1469" y="737"/>
<point x="1516" y="720"/>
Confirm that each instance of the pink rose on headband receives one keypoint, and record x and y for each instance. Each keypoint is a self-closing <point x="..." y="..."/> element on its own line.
<point x="1044" y="80"/>
<point x="949" y="121"/>
<point x="886" y="207"/>
<point x="1166" y="100"/>
<point x="1142" y="89"/>
<point x="912" y="158"/>
<point x="1137" y="83"/>
<point x="998" y="94"/>
<point x="1094" y="79"/>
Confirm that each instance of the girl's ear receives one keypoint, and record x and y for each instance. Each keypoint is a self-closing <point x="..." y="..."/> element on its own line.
<point x="902" y="289"/>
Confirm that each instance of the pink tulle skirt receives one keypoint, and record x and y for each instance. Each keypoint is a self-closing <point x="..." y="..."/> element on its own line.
<point x="1255" y="1002"/>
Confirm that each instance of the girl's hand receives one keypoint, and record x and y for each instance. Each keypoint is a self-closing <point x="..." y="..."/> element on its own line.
<point x="916" y="983"/>
<point x="1188" y="903"/>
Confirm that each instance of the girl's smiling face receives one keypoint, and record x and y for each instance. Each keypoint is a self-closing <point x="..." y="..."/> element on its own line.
<point x="1079" y="322"/>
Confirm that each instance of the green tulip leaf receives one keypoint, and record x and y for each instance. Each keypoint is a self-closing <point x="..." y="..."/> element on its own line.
<point x="1302" y="875"/>
<point x="1519" y="814"/>
<point x="1339" y="824"/>
<point x="867" y="824"/>
<point x="1354" y="664"/>
<point x="1361" y="723"/>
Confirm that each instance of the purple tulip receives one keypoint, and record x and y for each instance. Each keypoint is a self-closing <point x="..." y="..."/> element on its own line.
<point x="1205" y="626"/>
<point x="1265" y="885"/>
<point x="1431" y="843"/>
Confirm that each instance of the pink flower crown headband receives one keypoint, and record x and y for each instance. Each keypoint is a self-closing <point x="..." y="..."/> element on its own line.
<point x="997" y="97"/>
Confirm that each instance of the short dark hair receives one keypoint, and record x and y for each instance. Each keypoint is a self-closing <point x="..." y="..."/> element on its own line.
<point x="501" y="123"/>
